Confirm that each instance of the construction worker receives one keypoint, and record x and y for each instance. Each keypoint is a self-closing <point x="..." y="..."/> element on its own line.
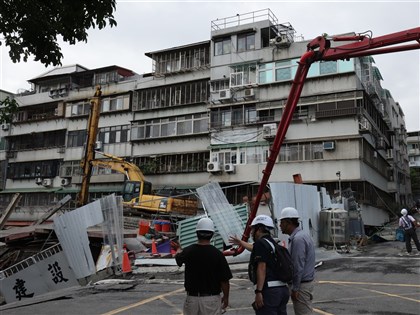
<point x="408" y="223"/>
<point x="271" y="294"/>
<point x="207" y="273"/>
<point x="302" y="250"/>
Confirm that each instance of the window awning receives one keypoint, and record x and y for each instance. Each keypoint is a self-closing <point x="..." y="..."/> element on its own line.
<point x="29" y="190"/>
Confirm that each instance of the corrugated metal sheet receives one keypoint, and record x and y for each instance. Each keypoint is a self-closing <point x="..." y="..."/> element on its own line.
<point x="71" y="232"/>
<point x="221" y="211"/>
<point x="186" y="229"/>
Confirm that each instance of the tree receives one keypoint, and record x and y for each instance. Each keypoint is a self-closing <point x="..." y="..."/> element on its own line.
<point x="8" y="107"/>
<point x="31" y="27"/>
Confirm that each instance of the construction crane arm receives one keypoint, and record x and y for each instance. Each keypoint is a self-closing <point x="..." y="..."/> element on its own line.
<point x="319" y="49"/>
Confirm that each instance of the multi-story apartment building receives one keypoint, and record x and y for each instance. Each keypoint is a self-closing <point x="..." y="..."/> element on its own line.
<point x="209" y="112"/>
<point x="413" y="144"/>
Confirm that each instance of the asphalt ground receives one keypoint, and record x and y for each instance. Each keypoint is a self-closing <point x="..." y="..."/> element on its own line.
<point x="378" y="279"/>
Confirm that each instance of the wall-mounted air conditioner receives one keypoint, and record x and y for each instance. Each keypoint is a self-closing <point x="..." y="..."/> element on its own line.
<point x="213" y="167"/>
<point x="364" y="125"/>
<point x="224" y="95"/>
<point x="46" y="182"/>
<point x="381" y="144"/>
<point x="249" y="92"/>
<point x="98" y="145"/>
<point x="5" y="127"/>
<point x="269" y="131"/>
<point x="65" y="181"/>
<point x="54" y="93"/>
<point x="280" y="40"/>
<point x="229" y="168"/>
<point x="328" y="145"/>
<point x="38" y="180"/>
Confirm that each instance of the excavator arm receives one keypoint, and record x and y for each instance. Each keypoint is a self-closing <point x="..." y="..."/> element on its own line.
<point x="319" y="49"/>
<point x="120" y="165"/>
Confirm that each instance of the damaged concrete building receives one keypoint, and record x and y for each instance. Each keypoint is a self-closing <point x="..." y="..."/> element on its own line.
<point x="209" y="112"/>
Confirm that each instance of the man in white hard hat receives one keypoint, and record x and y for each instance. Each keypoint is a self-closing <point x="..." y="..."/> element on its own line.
<point x="271" y="294"/>
<point x="408" y="223"/>
<point x="302" y="250"/>
<point x="207" y="273"/>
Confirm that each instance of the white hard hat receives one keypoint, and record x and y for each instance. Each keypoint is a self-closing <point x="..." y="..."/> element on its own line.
<point x="289" y="213"/>
<point x="404" y="211"/>
<point x="205" y="224"/>
<point x="264" y="220"/>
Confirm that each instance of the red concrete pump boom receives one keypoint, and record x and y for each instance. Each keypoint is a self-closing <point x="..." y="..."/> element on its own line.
<point x="319" y="49"/>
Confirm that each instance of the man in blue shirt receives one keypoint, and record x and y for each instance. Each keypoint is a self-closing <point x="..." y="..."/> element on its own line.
<point x="302" y="250"/>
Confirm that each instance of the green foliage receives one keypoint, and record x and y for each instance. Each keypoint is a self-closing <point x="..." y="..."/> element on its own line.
<point x="8" y="108"/>
<point x="31" y="27"/>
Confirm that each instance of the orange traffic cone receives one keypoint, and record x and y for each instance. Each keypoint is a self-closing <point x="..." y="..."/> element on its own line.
<point x="126" y="265"/>
<point x="154" y="249"/>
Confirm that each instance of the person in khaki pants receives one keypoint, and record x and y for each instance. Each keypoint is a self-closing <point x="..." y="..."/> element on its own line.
<point x="207" y="273"/>
<point x="302" y="250"/>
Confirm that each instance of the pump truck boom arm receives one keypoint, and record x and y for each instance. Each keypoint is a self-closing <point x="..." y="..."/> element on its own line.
<point x="319" y="49"/>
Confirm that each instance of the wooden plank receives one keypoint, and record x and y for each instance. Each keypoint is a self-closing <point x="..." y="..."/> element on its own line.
<point x="13" y="203"/>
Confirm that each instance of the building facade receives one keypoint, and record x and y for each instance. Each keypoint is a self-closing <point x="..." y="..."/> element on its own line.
<point x="413" y="145"/>
<point x="209" y="112"/>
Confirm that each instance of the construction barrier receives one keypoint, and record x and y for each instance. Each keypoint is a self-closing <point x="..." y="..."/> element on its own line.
<point x="144" y="227"/>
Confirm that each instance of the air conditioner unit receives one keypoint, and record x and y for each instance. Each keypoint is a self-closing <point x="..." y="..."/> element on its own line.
<point x="63" y="92"/>
<point x="269" y="131"/>
<point x="98" y="145"/>
<point x="229" y="168"/>
<point x="213" y="167"/>
<point x="280" y="40"/>
<point x="38" y="180"/>
<point x="5" y="127"/>
<point x="381" y="144"/>
<point x="65" y="182"/>
<point x="224" y="95"/>
<point x="364" y="125"/>
<point x="249" y="92"/>
<point x="11" y="154"/>
<point x="46" y="182"/>
<point x="61" y="150"/>
<point x="329" y="145"/>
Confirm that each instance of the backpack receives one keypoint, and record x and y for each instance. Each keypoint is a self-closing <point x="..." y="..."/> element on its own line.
<point x="283" y="261"/>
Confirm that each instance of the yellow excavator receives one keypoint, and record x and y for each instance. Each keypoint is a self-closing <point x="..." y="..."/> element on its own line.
<point x="137" y="192"/>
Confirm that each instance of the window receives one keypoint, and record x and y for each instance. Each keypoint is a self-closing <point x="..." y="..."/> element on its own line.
<point x="222" y="46"/>
<point x="283" y="71"/>
<point x="233" y="116"/>
<point x="33" y="169"/>
<point x="243" y="75"/>
<point x="76" y="138"/>
<point x="80" y="109"/>
<point x="168" y="96"/>
<point x="167" y="127"/>
<point x="115" y="103"/>
<point x="116" y="134"/>
<point x="265" y="73"/>
<point x="328" y="67"/>
<point x="246" y="42"/>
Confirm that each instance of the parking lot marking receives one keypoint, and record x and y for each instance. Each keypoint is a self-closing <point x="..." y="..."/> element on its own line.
<point x="371" y="283"/>
<point x="321" y="312"/>
<point x="153" y="298"/>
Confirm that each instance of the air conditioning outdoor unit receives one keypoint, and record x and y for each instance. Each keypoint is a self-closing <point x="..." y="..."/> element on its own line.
<point x="46" y="182"/>
<point x="229" y="168"/>
<point x="224" y="95"/>
<point x="98" y="145"/>
<point x="329" y="145"/>
<point x="269" y="131"/>
<point x="249" y="92"/>
<point x="280" y="40"/>
<point x="38" y="180"/>
<point x="213" y="167"/>
<point x="364" y="125"/>
<point x="5" y="127"/>
<point x="65" y="182"/>
<point x="381" y="144"/>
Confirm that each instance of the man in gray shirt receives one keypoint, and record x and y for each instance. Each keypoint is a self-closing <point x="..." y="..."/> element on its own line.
<point x="302" y="250"/>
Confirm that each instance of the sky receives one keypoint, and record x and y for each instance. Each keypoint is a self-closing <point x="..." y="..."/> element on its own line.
<point x="146" y="26"/>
